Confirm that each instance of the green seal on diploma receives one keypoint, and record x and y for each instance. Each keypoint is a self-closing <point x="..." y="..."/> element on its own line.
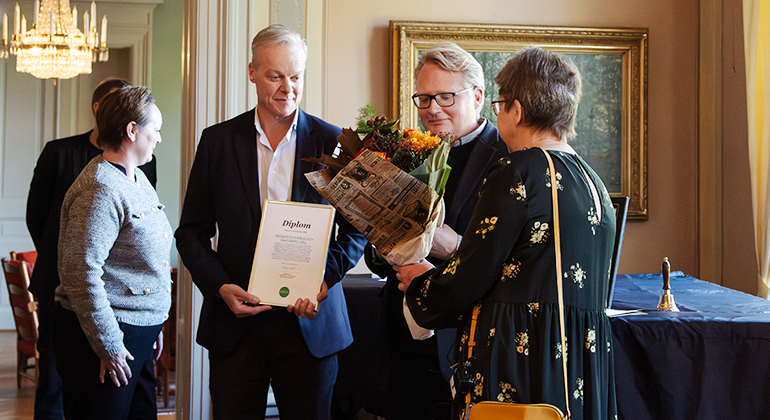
<point x="284" y="292"/>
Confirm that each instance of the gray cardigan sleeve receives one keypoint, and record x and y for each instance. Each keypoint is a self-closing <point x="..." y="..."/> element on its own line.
<point x="91" y="222"/>
<point x="114" y="245"/>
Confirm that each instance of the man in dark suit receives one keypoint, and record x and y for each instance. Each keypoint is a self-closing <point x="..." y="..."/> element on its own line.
<point x="58" y="166"/>
<point x="239" y="164"/>
<point x="449" y="94"/>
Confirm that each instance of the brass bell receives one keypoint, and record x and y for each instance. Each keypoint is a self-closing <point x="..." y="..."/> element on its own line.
<point x="666" y="301"/>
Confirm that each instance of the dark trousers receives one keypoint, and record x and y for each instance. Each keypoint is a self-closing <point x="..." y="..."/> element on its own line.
<point x="48" y="400"/>
<point x="414" y="388"/>
<point x="272" y="351"/>
<point x="83" y="395"/>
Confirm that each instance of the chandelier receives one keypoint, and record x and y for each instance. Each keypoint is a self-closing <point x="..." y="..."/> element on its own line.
<point x="55" y="48"/>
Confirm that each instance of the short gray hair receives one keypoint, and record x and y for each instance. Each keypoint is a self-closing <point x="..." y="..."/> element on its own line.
<point x="547" y="85"/>
<point x="272" y="36"/>
<point x="450" y="57"/>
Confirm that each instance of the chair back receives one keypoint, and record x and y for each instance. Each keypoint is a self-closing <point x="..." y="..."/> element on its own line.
<point x="167" y="362"/>
<point x="621" y="214"/>
<point x="24" y="316"/>
<point x="22" y="302"/>
<point x="29" y="256"/>
<point x="168" y="355"/>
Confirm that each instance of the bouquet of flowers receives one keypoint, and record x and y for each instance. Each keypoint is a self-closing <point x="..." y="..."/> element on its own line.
<point x="388" y="183"/>
<point x="421" y="154"/>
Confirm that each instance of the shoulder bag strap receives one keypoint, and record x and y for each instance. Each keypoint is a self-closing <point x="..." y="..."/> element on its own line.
<point x="557" y="246"/>
<point x="472" y="343"/>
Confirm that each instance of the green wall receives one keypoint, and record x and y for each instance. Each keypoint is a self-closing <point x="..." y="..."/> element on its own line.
<point x="167" y="90"/>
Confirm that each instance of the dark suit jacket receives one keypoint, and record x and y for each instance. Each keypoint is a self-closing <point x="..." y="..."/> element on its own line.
<point x="58" y="166"/>
<point x="487" y="150"/>
<point x="223" y="193"/>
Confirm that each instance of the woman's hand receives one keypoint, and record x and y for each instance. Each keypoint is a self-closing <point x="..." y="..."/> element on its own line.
<point x="306" y="309"/>
<point x="241" y="302"/>
<point x="406" y="273"/>
<point x="117" y="368"/>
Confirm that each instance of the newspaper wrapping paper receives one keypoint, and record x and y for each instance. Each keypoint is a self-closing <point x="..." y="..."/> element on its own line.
<point x="415" y="250"/>
<point x="395" y="212"/>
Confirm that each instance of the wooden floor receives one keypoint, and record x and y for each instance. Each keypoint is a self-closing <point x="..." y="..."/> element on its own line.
<point x="15" y="403"/>
<point x="18" y="404"/>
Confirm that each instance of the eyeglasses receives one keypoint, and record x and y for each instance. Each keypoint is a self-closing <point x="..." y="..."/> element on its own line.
<point x="496" y="106"/>
<point x="442" y="99"/>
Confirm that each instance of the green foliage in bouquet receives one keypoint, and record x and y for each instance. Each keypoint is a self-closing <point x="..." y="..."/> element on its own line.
<point x="370" y="120"/>
<point x="434" y="171"/>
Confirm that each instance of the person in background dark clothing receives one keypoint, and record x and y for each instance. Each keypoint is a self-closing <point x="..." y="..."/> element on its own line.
<point x="58" y="166"/>
<point x="449" y="94"/>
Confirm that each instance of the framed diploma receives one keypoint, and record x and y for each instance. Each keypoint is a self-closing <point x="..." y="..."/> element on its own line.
<point x="290" y="258"/>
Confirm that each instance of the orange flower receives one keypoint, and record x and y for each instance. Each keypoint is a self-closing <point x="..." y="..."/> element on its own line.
<point x="418" y="141"/>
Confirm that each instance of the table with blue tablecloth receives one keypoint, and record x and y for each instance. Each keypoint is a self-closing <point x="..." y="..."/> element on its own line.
<point x="711" y="360"/>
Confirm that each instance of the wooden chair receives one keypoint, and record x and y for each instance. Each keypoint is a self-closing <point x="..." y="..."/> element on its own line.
<point x="166" y="366"/>
<point x="621" y="214"/>
<point x="24" y="316"/>
<point x="28" y="256"/>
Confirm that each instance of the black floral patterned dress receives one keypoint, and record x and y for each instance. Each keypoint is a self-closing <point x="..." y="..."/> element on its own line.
<point x="506" y="262"/>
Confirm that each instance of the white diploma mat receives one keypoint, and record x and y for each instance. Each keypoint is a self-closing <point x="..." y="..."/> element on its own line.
<point x="290" y="257"/>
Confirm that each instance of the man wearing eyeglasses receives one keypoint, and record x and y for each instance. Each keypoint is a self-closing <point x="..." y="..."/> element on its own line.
<point x="449" y="94"/>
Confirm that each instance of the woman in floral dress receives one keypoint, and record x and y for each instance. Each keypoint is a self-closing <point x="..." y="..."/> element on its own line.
<point x="506" y="260"/>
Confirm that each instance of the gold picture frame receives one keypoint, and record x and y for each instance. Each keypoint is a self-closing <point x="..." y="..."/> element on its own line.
<point x="612" y="117"/>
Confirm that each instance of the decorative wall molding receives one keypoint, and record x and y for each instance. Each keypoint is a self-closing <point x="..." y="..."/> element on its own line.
<point x="709" y="214"/>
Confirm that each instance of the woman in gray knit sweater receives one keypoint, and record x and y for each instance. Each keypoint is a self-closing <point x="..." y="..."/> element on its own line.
<point x="114" y="245"/>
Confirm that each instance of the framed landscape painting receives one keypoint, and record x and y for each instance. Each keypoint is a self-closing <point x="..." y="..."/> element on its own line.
<point x="611" y="123"/>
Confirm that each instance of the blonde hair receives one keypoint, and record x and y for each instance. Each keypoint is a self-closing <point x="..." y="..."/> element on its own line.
<point x="272" y="36"/>
<point x="450" y="57"/>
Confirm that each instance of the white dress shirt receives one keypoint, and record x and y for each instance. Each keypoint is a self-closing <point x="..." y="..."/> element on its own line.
<point x="276" y="167"/>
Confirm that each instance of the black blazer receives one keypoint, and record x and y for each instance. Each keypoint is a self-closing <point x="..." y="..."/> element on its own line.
<point x="223" y="193"/>
<point x="59" y="164"/>
<point x="488" y="150"/>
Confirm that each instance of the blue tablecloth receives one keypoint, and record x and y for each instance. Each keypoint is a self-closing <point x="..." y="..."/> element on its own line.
<point x="709" y="361"/>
